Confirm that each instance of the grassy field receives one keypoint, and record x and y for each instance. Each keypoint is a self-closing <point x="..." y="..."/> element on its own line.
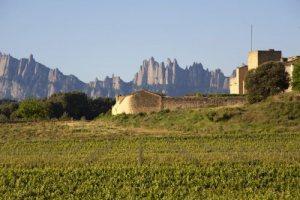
<point x="248" y="152"/>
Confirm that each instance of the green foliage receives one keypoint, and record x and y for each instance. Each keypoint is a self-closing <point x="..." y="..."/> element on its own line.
<point x="296" y="76"/>
<point x="223" y="115"/>
<point x="74" y="105"/>
<point x="77" y="105"/>
<point x="3" y="118"/>
<point x="284" y="110"/>
<point x="32" y="109"/>
<point x="268" y="79"/>
<point x="7" y="108"/>
<point x="98" y="106"/>
<point x="55" y="109"/>
<point x="198" y="94"/>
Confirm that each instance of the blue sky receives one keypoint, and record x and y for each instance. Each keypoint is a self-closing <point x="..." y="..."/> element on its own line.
<point x="97" y="38"/>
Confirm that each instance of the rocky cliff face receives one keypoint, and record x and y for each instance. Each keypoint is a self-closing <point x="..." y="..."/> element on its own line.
<point x="171" y="79"/>
<point x="26" y="78"/>
<point x="109" y="87"/>
<point x="20" y="79"/>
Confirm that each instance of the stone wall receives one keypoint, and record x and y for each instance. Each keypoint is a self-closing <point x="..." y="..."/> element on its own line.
<point x="256" y="58"/>
<point x="200" y="102"/>
<point x="289" y="68"/>
<point x="144" y="101"/>
<point x="237" y="82"/>
<point x="141" y="101"/>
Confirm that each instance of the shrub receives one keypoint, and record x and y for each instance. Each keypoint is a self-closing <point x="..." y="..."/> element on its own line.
<point x="283" y="110"/>
<point x="64" y="116"/>
<point x="164" y="111"/>
<point x="268" y="79"/>
<point x="98" y="106"/>
<point x="33" y="109"/>
<point x="296" y="76"/>
<point x="55" y="109"/>
<point x="75" y="105"/>
<point x="7" y="108"/>
<point x="224" y="114"/>
<point x="3" y="118"/>
<point x="198" y="94"/>
<point x="15" y="116"/>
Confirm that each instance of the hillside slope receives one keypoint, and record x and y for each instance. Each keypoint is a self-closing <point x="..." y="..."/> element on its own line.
<point x="274" y="113"/>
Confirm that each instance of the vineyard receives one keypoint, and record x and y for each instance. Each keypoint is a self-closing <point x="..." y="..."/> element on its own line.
<point x="251" y="152"/>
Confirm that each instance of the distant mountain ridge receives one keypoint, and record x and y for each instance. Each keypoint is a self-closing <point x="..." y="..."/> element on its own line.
<point x="25" y="77"/>
<point x="173" y="80"/>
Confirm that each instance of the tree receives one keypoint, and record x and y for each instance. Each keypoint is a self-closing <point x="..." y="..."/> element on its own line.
<point x="55" y="109"/>
<point x="32" y="109"/>
<point x="7" y="108"/>
<point x="296" y="76"/>
<point x="77" y="105"/>
<point x="98" y="106"/>
<point x="268" y="79"/>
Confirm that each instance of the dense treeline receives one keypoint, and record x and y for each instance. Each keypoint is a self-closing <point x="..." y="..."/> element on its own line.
<point x="74" y="105"/>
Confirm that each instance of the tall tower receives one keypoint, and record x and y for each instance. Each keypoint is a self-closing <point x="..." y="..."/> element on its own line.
<point x="256" y="58"/>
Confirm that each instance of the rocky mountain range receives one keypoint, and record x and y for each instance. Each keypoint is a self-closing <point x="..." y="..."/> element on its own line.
<point x="25" y="77"/>
<point x="171" y="79"/>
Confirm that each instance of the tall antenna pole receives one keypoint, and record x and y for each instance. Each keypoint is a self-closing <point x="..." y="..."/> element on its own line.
<point x="251" y="37"/>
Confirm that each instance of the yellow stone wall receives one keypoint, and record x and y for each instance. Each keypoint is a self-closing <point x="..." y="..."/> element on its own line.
<point x="200" y="102"/>
<point x="237" y="83"/>
<point x="256" y="58"/>
<point x="123" y="105"/>
<point x="144" y="101"/>
<point x="242" y="72"/>
<point x="252" y="60"/>
<point x="233" y="85"/>
<point x="289" y="69"/>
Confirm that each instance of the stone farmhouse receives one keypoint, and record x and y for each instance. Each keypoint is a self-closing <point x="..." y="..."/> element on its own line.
<point x="144" y="101"/>
<point x="256" y="58"/>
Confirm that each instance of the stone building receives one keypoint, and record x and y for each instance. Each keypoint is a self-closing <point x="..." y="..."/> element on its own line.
<point x="146" y="102"/>
<point x="289" y="67"/>
<point x="255" y="58"/>
<point x="237" y="80"/>
<point x="141" y="101"/>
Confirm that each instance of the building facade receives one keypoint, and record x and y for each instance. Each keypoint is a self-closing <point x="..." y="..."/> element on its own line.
<point x="289" y="68"/>
<point x="255" y="58"/>
<point x="237" y="80"/>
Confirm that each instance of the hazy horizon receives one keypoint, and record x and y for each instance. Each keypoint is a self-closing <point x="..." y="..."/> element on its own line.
<point x="98" y="38"/>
